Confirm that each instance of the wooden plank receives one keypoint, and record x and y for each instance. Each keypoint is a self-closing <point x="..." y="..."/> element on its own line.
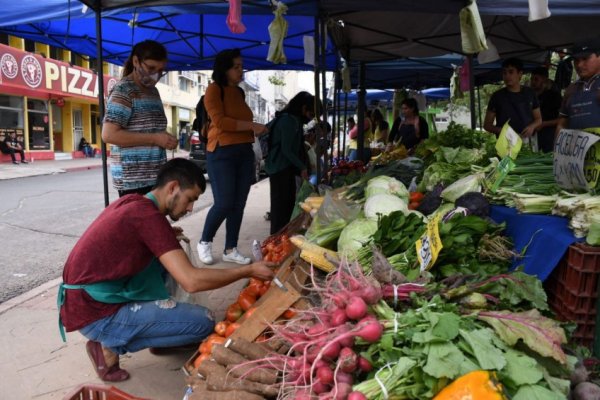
<point x="277" y="303"/>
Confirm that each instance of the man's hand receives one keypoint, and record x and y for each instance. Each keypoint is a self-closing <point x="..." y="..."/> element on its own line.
<point x="259" y="129"/>
<point x="263" y="270"/>
<point x="528" y="131"/>
<point x="304" y="174"/>
<point x="166" y="140"/>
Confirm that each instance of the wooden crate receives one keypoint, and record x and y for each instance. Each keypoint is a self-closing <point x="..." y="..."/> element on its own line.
<point x="293" y="275"/>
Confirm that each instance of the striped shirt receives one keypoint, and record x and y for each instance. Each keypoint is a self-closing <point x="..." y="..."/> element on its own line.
<point x="137" y="111"/>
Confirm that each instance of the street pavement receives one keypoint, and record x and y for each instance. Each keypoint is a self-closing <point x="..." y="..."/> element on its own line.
<point x="36" y="364"/>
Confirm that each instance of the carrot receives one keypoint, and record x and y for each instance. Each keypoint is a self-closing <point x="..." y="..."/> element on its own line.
<point x="200" y="359"/>
<point x="225" y="356"/>
<point x="203" y="394"/>
<point x="217" y="380"/>
<point x="268" y="376"/>
<point x="251" y="350"/>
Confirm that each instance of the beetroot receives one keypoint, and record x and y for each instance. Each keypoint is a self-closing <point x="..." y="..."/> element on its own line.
<point x="356" y="308"/>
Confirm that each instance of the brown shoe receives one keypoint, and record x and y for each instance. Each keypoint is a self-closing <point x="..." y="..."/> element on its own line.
<point x="107" y="371"/>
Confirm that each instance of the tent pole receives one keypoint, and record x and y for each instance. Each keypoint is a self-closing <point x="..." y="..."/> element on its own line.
<point x="100" y="77"/>
<point x="337" y="115"/>
<point x="323" y="65"/>
<point x="479" y="106"/>
<point x="472" y="92"/>
<point x="317" y="88"/>
<point x="360" y="118"/>
<point x="345" y="133"/>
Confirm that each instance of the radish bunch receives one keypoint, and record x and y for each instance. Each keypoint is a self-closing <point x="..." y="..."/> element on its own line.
<point x="322" y="362"/>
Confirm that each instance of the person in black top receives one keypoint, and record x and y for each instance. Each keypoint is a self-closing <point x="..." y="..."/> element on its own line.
<point x="550" y="101"/>
<point x="86" y="148"/>
<point x="11" y="146"/>
<point x="514" y="103"/>
<point x="410" y="129"/>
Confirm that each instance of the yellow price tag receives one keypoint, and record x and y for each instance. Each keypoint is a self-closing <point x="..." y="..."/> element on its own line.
<point x="591" y="166"/>
<point x="509" y="142"/>
<point x="429" y="245"/>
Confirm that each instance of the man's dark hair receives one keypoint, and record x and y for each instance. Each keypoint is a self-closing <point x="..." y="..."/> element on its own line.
<point x="185" y="172"/>
<point x="513" y="62"/>
<point x="300" y="100"/>
<point x="541" y="71"/>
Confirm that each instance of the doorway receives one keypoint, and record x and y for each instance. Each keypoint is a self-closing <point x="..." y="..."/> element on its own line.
<point x="77" y="128"/>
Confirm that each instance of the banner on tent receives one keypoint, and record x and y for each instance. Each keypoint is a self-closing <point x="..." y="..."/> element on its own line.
<point x="28" y="71"/>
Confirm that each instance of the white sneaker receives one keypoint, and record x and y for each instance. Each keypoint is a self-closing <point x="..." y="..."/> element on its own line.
<point x="205" y="252"/>
<point x="236" y="257"/>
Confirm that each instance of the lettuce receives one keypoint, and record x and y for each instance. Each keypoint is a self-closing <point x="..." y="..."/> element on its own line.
<point x="384" y="204"/>
<point x="356" y="235"/>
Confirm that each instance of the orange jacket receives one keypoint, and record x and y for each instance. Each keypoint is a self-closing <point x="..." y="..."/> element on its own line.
<point x="224" y="115"/>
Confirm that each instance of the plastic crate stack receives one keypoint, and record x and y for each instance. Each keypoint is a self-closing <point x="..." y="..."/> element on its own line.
<point x="572" y="290"/>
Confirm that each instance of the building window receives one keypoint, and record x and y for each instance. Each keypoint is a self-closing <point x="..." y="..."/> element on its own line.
<point x="39" y="127"/>
<point x="76" y="59"/>
<point x="55" y="53"/>
<point x="11" y="112"/>
<point x="183" y="84"/>
<point x="4" y="38"/>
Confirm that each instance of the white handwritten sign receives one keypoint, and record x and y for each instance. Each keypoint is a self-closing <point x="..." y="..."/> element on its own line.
<point x="570" y="152"/>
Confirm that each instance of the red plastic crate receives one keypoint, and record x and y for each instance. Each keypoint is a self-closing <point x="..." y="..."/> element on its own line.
<point x="572" y="290"/>
<point x="99" y="392"/>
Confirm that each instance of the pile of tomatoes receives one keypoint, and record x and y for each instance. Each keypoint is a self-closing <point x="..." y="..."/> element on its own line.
<point x="277" y="248"/>
<point x="344" y="167"/>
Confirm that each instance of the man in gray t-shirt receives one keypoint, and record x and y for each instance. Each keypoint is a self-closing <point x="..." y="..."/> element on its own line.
<point x="514" y="103"/>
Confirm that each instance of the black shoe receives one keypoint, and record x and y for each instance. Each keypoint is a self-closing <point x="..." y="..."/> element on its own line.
<point x="16" y="163"/>
<point x="24" y="162"/>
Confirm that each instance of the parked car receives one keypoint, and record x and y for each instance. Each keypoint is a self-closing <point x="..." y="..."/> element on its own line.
<point x="198" y="155"/>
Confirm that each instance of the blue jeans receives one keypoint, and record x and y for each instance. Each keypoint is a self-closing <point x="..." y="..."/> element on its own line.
<point x="231" y="173"/>
<point x="140" y="325"/>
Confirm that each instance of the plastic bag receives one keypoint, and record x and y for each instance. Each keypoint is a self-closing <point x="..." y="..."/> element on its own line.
<point x="173" y="288"/>
<point x="333" y="216"/>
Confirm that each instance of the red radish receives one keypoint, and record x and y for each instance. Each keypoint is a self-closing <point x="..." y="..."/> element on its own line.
<point x="341" y="391"/>
<point x="343" y="377"/>
<point x="348" y="360"/>
<point x="331" y="350"/>
<point x="357" y="396"/>
<point x="347" y="341"/>
<point x="369" y="329"/>
<point x="319" y="387"/>
<point x="321" y="363"/>
<point x="325" y="374"/>
<point x="356" y="308"/>
<point x="338" y="317"/>
<point x="364" y="365"/>
<point x="370" y="294"/>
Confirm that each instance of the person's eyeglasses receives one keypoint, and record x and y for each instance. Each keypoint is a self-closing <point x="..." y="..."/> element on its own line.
<point x="149" y="70"/>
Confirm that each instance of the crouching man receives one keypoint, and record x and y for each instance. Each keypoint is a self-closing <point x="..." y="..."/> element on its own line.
<point x="113" y="290"/>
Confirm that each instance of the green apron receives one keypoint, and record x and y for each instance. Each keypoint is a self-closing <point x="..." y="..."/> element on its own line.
<point x="147" y="285"/>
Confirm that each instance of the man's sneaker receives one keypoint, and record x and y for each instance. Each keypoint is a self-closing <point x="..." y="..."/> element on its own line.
<point x="236" y="257"/>
<point x="205" y="252"/>
<point x="16" y="162"/>
<point x="24" y="162"/>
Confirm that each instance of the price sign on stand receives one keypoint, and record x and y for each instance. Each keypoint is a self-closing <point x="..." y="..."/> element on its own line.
<point x="495" y="178"/>
<point x="509" y="142"/>
<point x="576" y="159"/>
<point x="430" y="244"/>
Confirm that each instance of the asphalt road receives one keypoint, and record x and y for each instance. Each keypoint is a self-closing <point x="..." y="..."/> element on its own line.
<point x="41" y="219"/>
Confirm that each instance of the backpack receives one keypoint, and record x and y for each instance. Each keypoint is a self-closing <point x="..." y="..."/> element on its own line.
<point x="202" y="120"/>
<point x="265" y="139"/>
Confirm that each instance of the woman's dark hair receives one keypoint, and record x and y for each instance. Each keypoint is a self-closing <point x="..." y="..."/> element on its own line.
<point x="185" y="172"/>
<point x="411" y="103"/>
<point x="300" y="100"/>
<point x="146" y="50"/>
<point x="223" y="63"/>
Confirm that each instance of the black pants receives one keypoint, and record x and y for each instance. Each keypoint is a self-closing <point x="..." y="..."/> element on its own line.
<point x="12" y="154"/>
<point x="142" y="191"/>
<point x="283" y="197"/>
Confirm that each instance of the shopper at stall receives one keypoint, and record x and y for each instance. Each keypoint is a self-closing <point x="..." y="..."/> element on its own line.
<point x="514" y="103"/>
<point x="381" y="126"/>
<point x="229" y="158"/>
<point x="368" y="136"/>
<point x="11" y="145"/>
<point x="550" y="100"/>
<point x="581" y="104"/>
<point x="113" y="290"/>
<point x="287" y="156"/>
<point x="135" y="122"/>
<point x="410" y="128"/>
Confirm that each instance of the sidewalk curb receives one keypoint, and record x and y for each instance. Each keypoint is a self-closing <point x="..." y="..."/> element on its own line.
<point x="16" y="301"/>
<point x="82" y="168"/>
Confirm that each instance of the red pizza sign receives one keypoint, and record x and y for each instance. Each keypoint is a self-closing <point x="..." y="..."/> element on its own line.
<point x="26" y="71"/>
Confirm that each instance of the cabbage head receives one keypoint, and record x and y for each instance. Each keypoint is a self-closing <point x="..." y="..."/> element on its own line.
<point x="470" y="183"/>
<point x="355" y="236"/>
<point x="386" y="185"/>
<point x="384" y="204"/>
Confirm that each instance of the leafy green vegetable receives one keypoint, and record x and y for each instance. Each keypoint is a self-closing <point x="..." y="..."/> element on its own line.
<point x="488" y="356"/>
<point x="539" y="333"/>
<point x="535" y="392"/>
<point x="521" y="369"/>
